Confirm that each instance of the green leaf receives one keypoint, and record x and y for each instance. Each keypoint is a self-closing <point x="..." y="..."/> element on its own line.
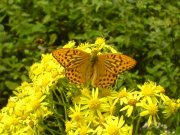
<point x="11" y="85"/>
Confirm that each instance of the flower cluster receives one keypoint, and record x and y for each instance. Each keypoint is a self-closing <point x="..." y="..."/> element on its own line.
<point x="29" y="103"/>
<point x="93" y="111"/>
<point x="115" y="113"/>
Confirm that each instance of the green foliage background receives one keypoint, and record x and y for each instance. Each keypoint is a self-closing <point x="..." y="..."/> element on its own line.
<point x="147" y="30"/>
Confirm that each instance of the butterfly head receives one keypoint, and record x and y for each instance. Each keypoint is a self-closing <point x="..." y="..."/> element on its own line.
<point x="95" y="51"/>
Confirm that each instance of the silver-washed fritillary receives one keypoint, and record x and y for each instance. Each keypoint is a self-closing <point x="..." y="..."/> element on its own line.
<point x="101" y="70"/>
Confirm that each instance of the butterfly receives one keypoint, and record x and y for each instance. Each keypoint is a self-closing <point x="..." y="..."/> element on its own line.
<point x="100" y="70"/>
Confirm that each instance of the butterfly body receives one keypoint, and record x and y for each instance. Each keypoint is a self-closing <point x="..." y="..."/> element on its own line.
<point x="100" y="70"/>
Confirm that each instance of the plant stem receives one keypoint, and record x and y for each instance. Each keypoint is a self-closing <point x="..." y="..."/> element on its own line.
<point x="137" y="126"/>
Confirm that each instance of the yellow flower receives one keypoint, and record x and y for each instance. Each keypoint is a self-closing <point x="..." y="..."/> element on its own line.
<point x="77" y="128"/>
<point x="160" y="89"/>
<point x="28" y="106"/>
<point x="99" y="121"/>
<point x="73" y="132"/>
<point x="24" y="90"/>
<point x="11" y="104"/>
<point x="93" y="105"/>
<point x="99" y="130"/>
<point x="70" y="126"/>
<point x="85" y="47"/>
<point x="149" y="91"/>
<point x="112" y="108"/>
<point x="151" y="110"/>
<point x="120" y="96"/>
<point x="76" y="115"/>
<point x="170" y="108"/>
<point x="131" y="101"/>
<point x="114" y="126"/>
<point x="85" y="92"/>
<point x="85" y="130"/>
<point x="37" y="69"/>
<point x="100" y="41"/>
<point x="82" y="130"/>
<point x="70" y="44"/>
<point x="47" y="72"/>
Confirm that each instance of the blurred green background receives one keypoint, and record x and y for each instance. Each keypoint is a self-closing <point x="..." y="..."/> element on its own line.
<point x="147" y="30"/>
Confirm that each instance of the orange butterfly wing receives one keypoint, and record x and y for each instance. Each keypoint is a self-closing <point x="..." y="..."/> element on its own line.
<point x="108" y="66"/>
<point x="102" y="69"/>
<point x="77" y="64"/>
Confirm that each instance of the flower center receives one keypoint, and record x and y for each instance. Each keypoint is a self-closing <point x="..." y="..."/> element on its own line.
<point x="147" y="91"/>
<point x="83" y="131"/>
<point x="94" y="104"/>
<point x="132" y="102"/>
<point x="35" y="105"/>
<point x="77" y="116"/>
<point x="152" y="109"/>
<point x="113" y="130"/>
